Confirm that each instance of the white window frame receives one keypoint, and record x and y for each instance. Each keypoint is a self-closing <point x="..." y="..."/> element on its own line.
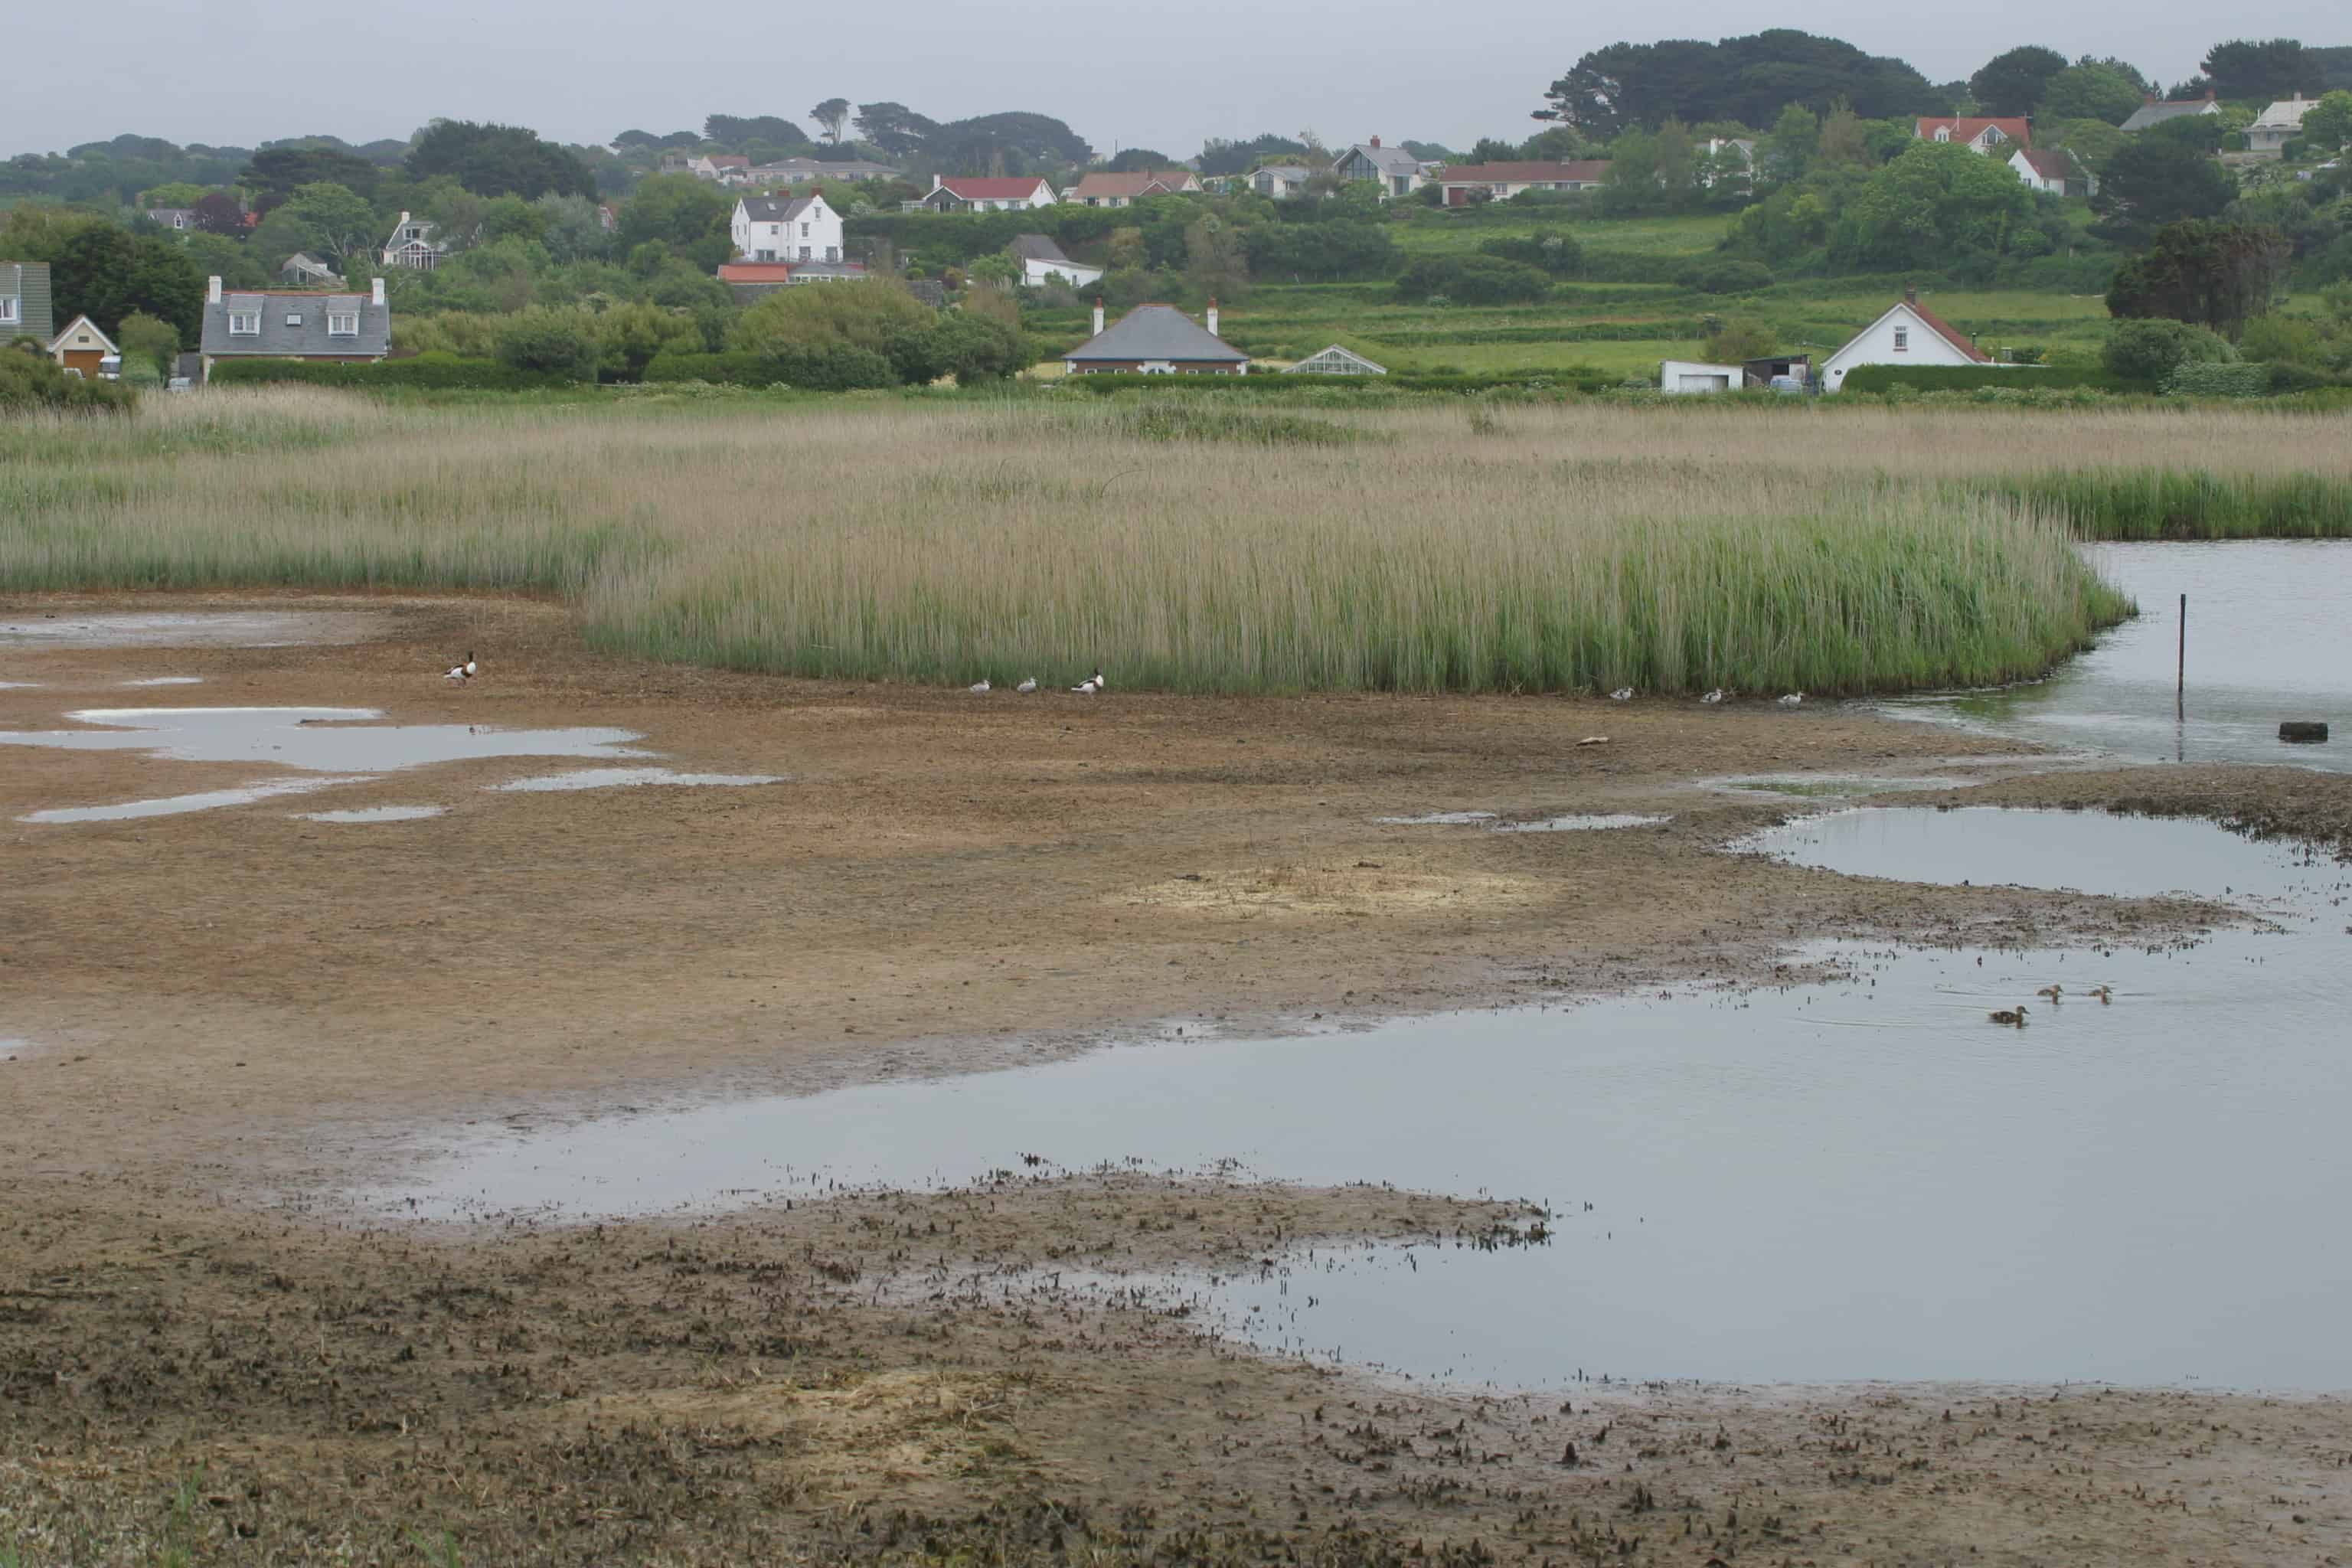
<point x="293" y="318"/>
<point x="244" y="324"/>
<point x="12" y="310"/>
<point x="1903" y="339"/>
<point x="344" y="325"/>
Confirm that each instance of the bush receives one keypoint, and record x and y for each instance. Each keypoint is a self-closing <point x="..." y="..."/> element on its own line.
<point x="1726" y="277"/>
<point x="871" y="314"/>
<point x="2212" y="378"/>
<point x="30" y="379"/>
<point x="559" y="345"/>
<point x="1474" y="280"/>
<point x="1552" y="251"/>
<point x="833" y="368"/>
<point x="1883" y="378"/>
<point x="2147" y="351"/>
<point x="434" y="372"/>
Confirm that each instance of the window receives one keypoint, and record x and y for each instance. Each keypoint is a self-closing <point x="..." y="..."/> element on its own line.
<point x="9" y="309"/>
<point x="1903" y="339"/>
<point x="803" y="231"/>
<point x="343" y="326"/>
<point x="804" y="253"/>
<point x="292" y="320"/>
<point x="244" y="324"/>
<point x="1943" y="133"/>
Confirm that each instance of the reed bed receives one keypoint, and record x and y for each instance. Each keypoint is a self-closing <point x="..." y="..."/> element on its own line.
<point x="1212" y="549"/>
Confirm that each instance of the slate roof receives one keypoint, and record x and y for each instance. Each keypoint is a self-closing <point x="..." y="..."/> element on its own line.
<point x="776" y="209"/>
<point x="2157" y="111"/>
<point x="27" y="283"/>
<point x="1136" y="182"/>
<point x="2051" y="163"/>
<point x="1283" y="170"/>
<point x="991" y="188"/>
<point x="1036" y="247"/>
<point x="1387" y="160"/>
<point x="1578" y="171"/>
<point x="796" y="168"/>
<point x="308" y="338"/>
<point x="1157" y="332"/>
<point x="2285" y="114"/>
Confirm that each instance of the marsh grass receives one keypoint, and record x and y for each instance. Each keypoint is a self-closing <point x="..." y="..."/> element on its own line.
<point x="1195" y="548"/>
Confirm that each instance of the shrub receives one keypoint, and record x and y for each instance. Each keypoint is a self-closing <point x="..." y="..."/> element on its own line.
<point x="559" y="345"/>
<point x="433" y="371"/>
<point x="836" y="367"/>
<point x="2212" y="378"/>
<point x="2147" y="351"/>
<point x="1552" y="251"/>
<point x="1724" y="277"/>
<point x="866" y="315"/>
<point x="1474" y="280"/>
<point x="1889" y="378"/>
<point x="30" y="379"/>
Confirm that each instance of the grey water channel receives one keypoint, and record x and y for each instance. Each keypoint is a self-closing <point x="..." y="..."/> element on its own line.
<point x="1863" y="1179"/>
<point x="2269" y="638"/>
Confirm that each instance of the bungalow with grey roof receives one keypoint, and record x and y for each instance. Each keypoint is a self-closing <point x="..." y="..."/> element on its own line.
<point x="2154" y="111"/>
<point x="1156" y="340"/>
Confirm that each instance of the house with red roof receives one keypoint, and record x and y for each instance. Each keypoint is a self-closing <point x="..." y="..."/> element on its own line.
<point x="2053" y="172"/>
<point x="1976" y="134"/>
<point x="990" y="194"/>
<point x="1104" y="189"/>
<point x="1500" y="182"/>
<point x="1907" y="334"/>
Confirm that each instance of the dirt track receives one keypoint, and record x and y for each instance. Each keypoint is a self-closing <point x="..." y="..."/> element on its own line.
<point x="228" y="1003"/>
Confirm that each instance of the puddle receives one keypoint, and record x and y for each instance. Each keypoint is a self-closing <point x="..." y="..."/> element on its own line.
<point x="174" y="806"/>
<point x="622" y="778"/>
<point x="1856" y="1180"/>
<point x="1437" y="819"/>
<point x="1584" y="824"/>
<point x="168" y="680"/>
<point x="2270" y="637"/>
<point x="1828" y="786"/>
<point x="337" y="740"/>
<point x="2075" y="851"/>
<point x="254" y="629"/>
<point x="374" y="813"/>
<point x="19" y="684"/>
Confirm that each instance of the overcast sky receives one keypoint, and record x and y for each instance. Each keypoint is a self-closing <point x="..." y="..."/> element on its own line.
<point x="238" y="71"/>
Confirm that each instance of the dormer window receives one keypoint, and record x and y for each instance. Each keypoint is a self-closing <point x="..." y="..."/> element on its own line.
<point x="343" y="326"/>
<point x="1943" y="133"/>
<point x="244" y="324"/>
<point x="10" y="310"/>
<point x="1902" y="340"/>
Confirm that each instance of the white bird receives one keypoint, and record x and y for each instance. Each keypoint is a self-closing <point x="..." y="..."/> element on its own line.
<point x="461" y="672"/>
<point x="1794" y="699"/>
<point x="1090" y="685"/>
<point x="1027" y="686"/>
<point x="1712" y="696"/>
<point x="980" y="686"/>
<point x="1622" y="694"/>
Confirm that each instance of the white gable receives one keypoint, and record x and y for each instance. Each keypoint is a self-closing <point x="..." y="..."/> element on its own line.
<point x="1901" y="336"/>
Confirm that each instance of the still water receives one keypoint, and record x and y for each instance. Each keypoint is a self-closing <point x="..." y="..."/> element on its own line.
<point x="2270" y="637"/>
<point x="1864" y="1179"/>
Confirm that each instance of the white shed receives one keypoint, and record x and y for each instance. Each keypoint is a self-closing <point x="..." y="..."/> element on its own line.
<point x="1690" y="375"/>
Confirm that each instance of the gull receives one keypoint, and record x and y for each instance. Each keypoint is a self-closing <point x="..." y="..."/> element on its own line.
<point x="1027" y="686"/>
<point x="461" y="672"/>
<point x="1794" y="699"/>
<point x="980" y="686"/>
<point x="1091" y="684"/>
<point x="1622" y="694"/>
<point x="1712" y="696"/>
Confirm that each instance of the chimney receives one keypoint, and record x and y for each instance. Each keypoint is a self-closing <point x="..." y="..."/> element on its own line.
<point x="1213" y="318"/>
<point x="1910" y="295"/>
<point x="212" y="290"/>
<point x="379" y="290"/>
<point x="1376" y="140"/>
<point x="2208" y="95"/>
<point x="2147" y="98"/>
<point x="1097" y="315"/>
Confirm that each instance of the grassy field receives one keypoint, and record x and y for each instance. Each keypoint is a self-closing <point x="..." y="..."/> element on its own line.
<point x="1193" y="546"/>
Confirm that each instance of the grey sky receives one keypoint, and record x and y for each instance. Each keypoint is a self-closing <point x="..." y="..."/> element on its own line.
<point x="237" y="71"/>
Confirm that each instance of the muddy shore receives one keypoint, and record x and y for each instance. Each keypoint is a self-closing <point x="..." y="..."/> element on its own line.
<point x="226" y="1016"/>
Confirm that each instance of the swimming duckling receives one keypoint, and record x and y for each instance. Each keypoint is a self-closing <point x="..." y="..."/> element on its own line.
<point x="2052" y="992"/>
<point x="2015" y="1017"/>
<point x="2104" y="996"/>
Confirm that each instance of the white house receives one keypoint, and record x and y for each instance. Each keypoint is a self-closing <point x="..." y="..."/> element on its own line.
<point x="1977" y="133"/>
<point x="1398" y="172"/>
<point x="1502" y="181"/>
<point x="1909" y="333"/>
<point x="1280" y="180"/>
<point x="1103" y="189"/>
<point x="2281" y="124"/>
<point x="2053" y="170"/>
<point x="1041" y="259"/>
<point x="969" y="194"/>
<point x="1679" y="375"/>
<point x="785" y="229"/>
<point x="412" y="245"/>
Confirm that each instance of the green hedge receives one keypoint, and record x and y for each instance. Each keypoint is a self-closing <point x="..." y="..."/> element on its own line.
<point x="435" y="372"/>
<point x="2207" y="379"/>
<point x="841" y="369"/>
<point x="1968" y="378"/>
<point x="1269" y="384"/>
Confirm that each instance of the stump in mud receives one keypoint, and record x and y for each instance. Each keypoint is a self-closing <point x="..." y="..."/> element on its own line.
<point x="2305" y="730"/>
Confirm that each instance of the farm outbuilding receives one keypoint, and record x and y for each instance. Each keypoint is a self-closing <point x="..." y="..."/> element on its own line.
<point x="1681" y="375"/>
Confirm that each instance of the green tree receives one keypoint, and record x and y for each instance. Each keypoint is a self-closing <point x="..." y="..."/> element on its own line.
<point x="171" y="193"/>
<point x="2149" y="351"/>
<point x="1732" y="341"/>
<point x="99" y="269"/>
<point x="334" y="222"/>
<point x="150" y="340"/>
<point x="2091" y="90"/>
<point x="893" y="127"/>
<point x="1789" y="149"/>
<point x="2093" y="142"/>
<point x="275" y="174"/>
<point x="2270" y="69"/>
<point x="2327" y="124"/>
<point x="865" y="315"/>
<point x="2152" y="181"/>
<point x="218" y="212"/>
<point x="1938" y="202"/>
<point x="573" y="229"/>
<point x="231" y="261"/>
<point x="1845" y="138"/>
<point x="2014" y="82"/>
<point x="552" y="342"/>
<point x="629" y="336"/>
<point x="497" y="160"/>
<point x="832" y="114"/>
<point x="2216" y="275"/>
<point x="1215" y="264"/>
<point x="676" y="209"/>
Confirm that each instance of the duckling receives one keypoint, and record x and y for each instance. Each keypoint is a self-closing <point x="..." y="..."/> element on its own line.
<point x="2104" y="996"/>
<point x="1714" y="697"/>
<point x="1622" y="694"/>
<point x="2052" y="992"/>
<point x="2015" y="1017"/>
<point x="979" y="687"/>
<point x="1794" y="699"/>
<point x="1027" y="686"/>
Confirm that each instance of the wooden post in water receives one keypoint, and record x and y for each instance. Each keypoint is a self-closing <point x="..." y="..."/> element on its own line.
<point x="2180" y="670"/>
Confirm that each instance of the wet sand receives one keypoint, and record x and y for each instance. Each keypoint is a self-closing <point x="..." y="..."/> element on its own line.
<point x="238" y="1008"/>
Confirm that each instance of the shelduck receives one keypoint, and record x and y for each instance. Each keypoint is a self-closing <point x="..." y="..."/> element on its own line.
<point x="461" y="672"/>
<point x="1090" y="685"/>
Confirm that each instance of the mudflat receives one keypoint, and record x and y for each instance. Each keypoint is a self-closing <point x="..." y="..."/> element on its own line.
<point x="220" y="1019"/>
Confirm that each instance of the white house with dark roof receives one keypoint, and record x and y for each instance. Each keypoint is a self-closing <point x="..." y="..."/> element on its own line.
<point x="1042" y="259"/>
<point x="2154" y="110"/>
<point x="1398" y="172"/>
<point x="786" y="228"/>
<point x="984" y="194"/>
<point x="1156" y="340"/>
<point x="286" y="323"/>
<point x="2281" y="124"/>
<point x="2053" y="172"/>
<point x="181" y="219"/>
<point x="412" y="245"/>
